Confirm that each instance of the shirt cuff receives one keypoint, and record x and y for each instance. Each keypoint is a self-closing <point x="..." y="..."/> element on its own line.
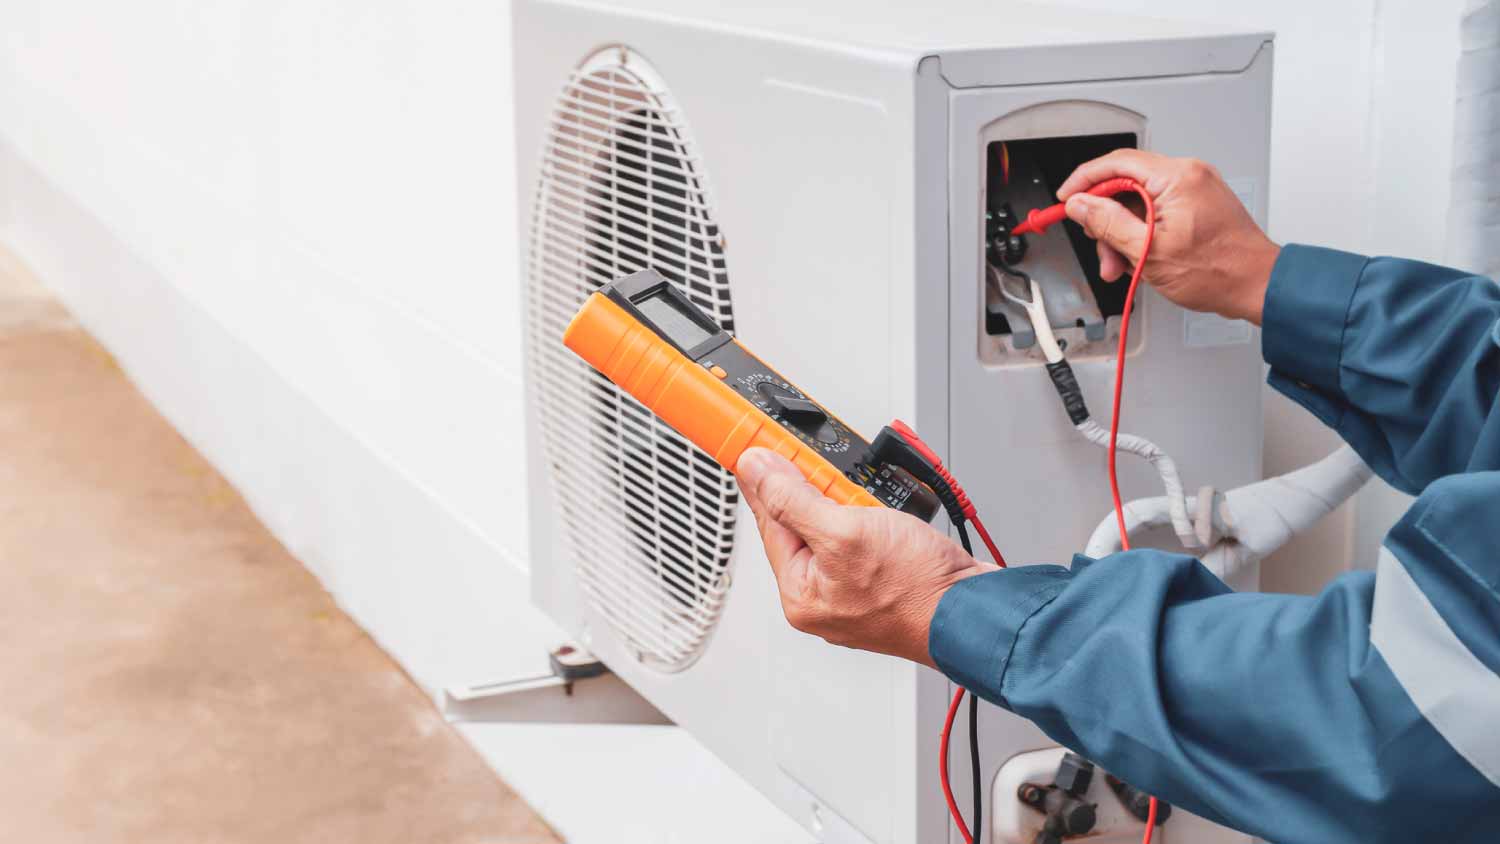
<point x="1306" y="308"/>
<point x="976" y="624"/>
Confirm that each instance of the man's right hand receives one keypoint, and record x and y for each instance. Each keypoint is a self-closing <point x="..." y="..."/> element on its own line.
<point x="1207" y="253"/>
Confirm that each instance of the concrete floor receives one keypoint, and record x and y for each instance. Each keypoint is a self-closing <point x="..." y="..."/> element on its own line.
<point x="168" y="673"/>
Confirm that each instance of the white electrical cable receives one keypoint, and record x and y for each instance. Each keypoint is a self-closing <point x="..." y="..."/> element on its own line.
<point x="1188" y="534"/>
<point x="1036" y="311"/>
<point x="1253" y="521"/>
<point x="1141" y="447"/>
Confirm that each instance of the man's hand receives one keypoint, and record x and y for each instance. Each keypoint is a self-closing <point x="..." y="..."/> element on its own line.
<point x="1207" y="255"/>
<point x="862" y="577"/>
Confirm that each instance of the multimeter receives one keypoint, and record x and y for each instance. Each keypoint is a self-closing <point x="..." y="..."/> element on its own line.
<point x="644" y="335"/>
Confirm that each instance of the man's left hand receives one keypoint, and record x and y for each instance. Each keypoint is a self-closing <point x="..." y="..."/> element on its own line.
<point x="862" y="577"/>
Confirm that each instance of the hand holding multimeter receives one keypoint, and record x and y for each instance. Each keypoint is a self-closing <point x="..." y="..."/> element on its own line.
<point x="647" y="337"/>
<point x="861" y="577"/>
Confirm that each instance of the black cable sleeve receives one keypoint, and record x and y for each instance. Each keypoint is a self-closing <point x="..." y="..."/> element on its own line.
<point x="944" y="492"/>
<point x="1067" y="388"/>
<point x="963" y="538"/>
<point x="977" y="829"/>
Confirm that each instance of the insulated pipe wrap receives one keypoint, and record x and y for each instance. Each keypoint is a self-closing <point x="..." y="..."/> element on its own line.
<point x="1257" y="519"/>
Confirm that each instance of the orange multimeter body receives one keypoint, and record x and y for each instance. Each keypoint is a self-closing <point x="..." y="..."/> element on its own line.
<point x="644" y="335"/>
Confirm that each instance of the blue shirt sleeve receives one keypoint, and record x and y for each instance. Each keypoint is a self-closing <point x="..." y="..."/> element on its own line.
<point x="1273" y="714"/>
<point x="1361" y="714"/>
<point x="1401" y="358"/>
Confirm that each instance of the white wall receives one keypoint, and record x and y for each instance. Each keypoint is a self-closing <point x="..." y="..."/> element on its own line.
<point x="321" y="192"/>
<point x="294" y="224"/>
<point x="1474" y="214"/>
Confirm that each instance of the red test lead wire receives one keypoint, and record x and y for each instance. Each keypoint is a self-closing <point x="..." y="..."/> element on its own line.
<point x="1120" y="186"/>
<point x="1038" y="221"/>
<point x="958" y="817"/>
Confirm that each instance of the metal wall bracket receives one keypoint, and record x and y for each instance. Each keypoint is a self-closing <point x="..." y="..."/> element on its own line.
<point x="579" y="689"/>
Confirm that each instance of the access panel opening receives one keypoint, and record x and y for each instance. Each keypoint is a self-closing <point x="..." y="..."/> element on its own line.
<point x="1025" y="174"/>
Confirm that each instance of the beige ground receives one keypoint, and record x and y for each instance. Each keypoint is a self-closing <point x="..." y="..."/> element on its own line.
<point x="168" y="673"/>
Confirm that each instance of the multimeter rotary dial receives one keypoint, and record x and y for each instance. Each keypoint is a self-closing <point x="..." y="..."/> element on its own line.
<point x="795" y="411"/>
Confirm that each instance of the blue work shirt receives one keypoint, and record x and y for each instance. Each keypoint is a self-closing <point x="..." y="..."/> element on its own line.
<point x="1368" y="713"/>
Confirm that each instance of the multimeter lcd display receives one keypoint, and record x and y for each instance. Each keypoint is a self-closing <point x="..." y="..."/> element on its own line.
<point x="682" y="330"/>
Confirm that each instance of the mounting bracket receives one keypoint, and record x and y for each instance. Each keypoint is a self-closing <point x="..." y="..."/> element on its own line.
<point x="579" y="689"/>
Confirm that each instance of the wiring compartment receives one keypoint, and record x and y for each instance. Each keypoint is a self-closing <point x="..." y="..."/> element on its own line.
<point x="1083" y="309"/>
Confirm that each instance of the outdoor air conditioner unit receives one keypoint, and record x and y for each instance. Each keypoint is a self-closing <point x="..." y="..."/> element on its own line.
<point x="817" y="178"/>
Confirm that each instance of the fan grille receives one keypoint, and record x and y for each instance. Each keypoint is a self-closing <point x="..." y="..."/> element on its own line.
<point x="647" y="516"/>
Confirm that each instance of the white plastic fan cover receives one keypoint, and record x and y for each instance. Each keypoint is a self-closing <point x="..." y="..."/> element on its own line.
<point x="647" y="517"/>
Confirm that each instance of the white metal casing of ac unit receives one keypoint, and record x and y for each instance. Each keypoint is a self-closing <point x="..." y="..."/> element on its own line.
<point x="843" y="146"/>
